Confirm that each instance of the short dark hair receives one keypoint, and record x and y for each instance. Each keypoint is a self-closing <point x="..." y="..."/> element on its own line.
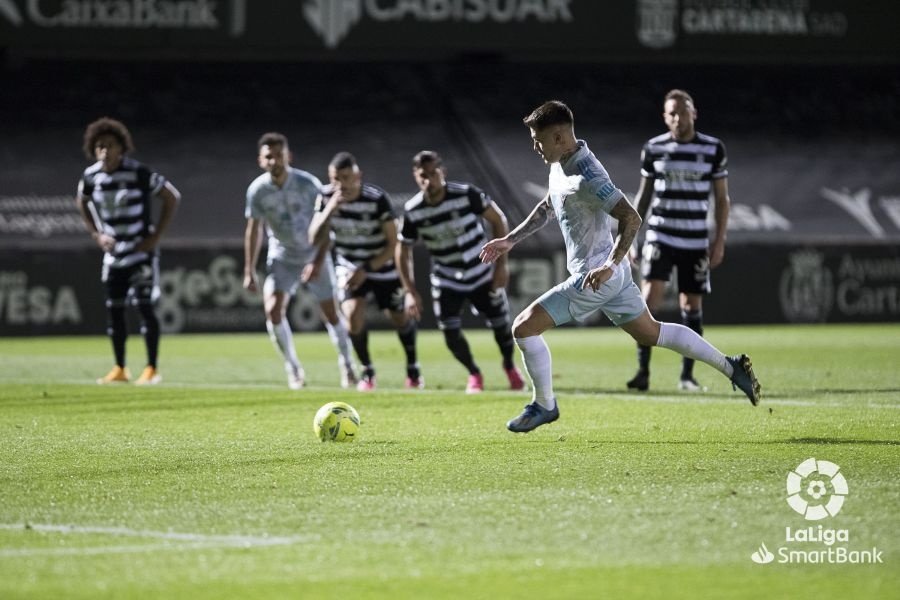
<point x="343" y="160"/>
<point x="106" y="126"/>
<point x="682" y="95"/>
<point x="426" y="157"/>
<point x="551" y="112"/>
<point x="272" y="138"/>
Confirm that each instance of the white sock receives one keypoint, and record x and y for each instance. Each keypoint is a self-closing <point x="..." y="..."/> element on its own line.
<point x="340" y="339"/>
<point x="281" y="336"/>
<point x="687" y="343"/>
<point x="538" y="365"/>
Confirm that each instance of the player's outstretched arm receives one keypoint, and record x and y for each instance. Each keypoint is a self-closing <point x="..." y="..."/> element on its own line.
<point x="540" y="216"/>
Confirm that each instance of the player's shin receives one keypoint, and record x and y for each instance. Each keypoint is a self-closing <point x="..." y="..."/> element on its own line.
<point x="539" y="366"/>
<point x="687" y="343"/>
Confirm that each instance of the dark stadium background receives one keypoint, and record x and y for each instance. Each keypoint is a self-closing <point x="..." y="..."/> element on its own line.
<point x="805" y="94"/>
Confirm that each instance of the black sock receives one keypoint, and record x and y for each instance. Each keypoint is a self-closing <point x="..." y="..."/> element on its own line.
<point x="150" y="330"/>
<point x="643" y="355"/>
<point x="407" y="335"/>
<point x="504" y="338"/>
<point x="118" y="333"/>
<point x="360" y="343"/>
<point x="692" y="320"/>
<point x="458" y="345"/>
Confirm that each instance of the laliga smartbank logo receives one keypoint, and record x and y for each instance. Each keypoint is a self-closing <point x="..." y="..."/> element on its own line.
<point x="816" y="489"/>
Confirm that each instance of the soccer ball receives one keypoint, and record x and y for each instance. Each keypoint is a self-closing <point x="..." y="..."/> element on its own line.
<point x="336" y="422"/>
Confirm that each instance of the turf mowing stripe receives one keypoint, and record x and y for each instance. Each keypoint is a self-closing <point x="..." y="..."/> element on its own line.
<point x="237" y="541"/>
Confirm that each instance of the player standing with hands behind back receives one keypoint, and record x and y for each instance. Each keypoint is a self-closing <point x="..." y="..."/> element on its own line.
<point x="582" y="198"/>
<point x="115" y="198"/>
<point x="679" y="170"/>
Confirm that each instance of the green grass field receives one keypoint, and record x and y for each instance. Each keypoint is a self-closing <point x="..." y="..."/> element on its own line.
<point x="212" y="484"/>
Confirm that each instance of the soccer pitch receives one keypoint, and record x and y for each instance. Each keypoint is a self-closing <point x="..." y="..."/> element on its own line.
<point x="212" y="484"/>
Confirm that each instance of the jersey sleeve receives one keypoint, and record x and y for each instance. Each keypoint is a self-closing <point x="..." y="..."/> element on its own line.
<point x="252" y="210"/>
<point x="409" y="233"/>
<point x="647" y="169"/>
<point x="720" y="164"/>
<point x="150" y="180"/>
<point x="385" y="209"/>
<point x="86" y="186"/>
<point x="478" y="200"/>
<point x="601" y="186"/>
<point x="324" y="196"/>
<point x="596" y="180"/>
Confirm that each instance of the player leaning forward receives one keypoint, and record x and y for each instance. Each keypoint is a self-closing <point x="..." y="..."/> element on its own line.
<point x="582" y="199"/>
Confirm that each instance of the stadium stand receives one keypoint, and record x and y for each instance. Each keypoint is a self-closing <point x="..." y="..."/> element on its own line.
<point x="814" y="174"/>
<point x="790" y="131"/>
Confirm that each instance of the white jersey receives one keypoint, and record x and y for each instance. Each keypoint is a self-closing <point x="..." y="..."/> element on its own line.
<point x="287" y="211"/>
<point x="582" y="196"/>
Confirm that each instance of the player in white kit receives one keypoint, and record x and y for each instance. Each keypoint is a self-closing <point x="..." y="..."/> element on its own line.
<point x="583" y="199"/>
<point x="284" y="198"/>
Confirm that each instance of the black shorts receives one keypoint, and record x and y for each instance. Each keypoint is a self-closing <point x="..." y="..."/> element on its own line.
<point x="490" y="304"/>
<point x="388" y="293"/>
<point x="692" y="265"/>
<point x="135" y="284"/>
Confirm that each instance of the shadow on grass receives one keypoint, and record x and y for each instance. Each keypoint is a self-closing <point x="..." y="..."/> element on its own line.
<point x="792" y="441"/>
<point x="842" y="441"/>
<point x="672" y="391"/>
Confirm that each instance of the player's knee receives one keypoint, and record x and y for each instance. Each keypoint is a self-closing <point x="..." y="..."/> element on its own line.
<point x="645" y="338"/>
<point x="452" y="334"/>
<point x="522" y="325"/>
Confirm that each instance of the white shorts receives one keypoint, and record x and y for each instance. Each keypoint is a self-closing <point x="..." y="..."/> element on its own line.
<point x="619" y="299"/>
<point x="285" y="277"/>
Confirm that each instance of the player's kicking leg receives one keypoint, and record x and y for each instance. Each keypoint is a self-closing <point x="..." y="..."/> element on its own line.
<point x="648" y="331"/>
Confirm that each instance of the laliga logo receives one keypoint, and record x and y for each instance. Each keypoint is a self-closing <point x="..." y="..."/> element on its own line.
<point x="816" y="489"/>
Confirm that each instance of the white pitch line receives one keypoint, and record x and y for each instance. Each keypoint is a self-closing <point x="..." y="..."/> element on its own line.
<point x="187" y="540"/>
<point x="96" y="550"/>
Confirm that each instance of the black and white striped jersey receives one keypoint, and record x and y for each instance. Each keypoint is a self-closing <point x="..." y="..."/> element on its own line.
<point x="453" y="232"/>
<point x="121" y="203"/>
<point x="683" y="173"/>
<point x="356" y="228"/>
